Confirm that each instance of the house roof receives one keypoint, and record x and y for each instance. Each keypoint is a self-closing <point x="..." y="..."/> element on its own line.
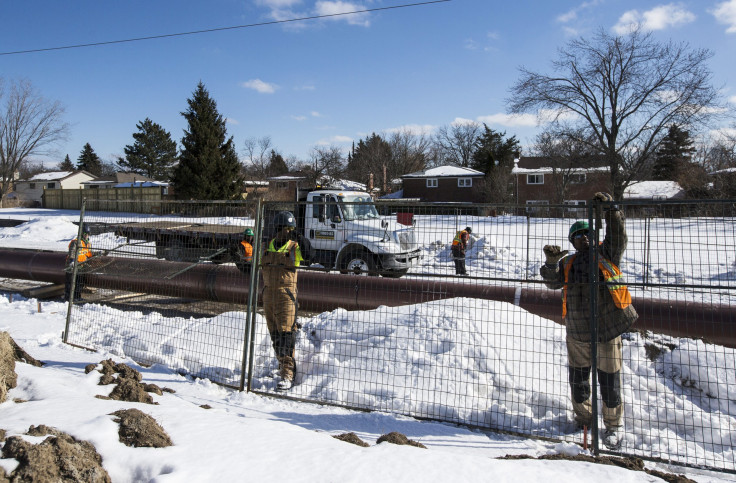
<point x="653" y="190"/>
<point x="543" y="164"/>
<point x="120" y="177"/>
<point x="55" y="176"/>
<point x="444" y="172"/>
<point x="723" y="171"/>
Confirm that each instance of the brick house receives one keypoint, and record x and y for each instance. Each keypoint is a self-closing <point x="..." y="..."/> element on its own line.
<point x="444" y="183"/>
<point x="538" y="181"/>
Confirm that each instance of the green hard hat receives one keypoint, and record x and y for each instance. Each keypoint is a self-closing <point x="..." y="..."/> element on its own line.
<point x="576" y="227"/>
<point x="248" y="232"/>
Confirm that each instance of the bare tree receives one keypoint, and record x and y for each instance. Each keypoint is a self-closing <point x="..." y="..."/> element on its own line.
<point x="257" y="154"/>
<point x="326" y="161"/>
<point x="409" y="152"/>
<point x="567" y="154"/>
<point x="621" y="93"/>
<point x="455" y="144"/>
<point x="29" y="126"/>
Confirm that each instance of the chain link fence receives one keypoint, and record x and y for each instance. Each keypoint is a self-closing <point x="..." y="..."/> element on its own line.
<point x="389" y="322"/>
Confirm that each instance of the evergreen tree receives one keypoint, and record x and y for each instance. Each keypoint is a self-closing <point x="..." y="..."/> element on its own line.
<point x="89" y="161"/>
<point x="494" y="155"/>
<point x="66" y="165"/>
<point x="276" y="165"/>
<point x="370" y="157"/>
<point x="153" y="153"/>
<point x="673" y="156"/>
<point x="208" y="167"/>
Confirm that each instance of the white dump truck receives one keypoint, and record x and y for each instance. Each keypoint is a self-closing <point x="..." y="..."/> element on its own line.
<point x="342" y="230"/>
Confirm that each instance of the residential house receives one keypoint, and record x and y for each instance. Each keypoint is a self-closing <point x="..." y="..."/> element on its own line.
<point x="122" y="180"/>
<point x="444" y="184"/>
<point x="654" y="190"/>
<point x="31" y="189"/>
<point x="539" y="181"/>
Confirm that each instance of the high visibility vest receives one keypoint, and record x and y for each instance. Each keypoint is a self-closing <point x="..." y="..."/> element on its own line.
<point x="85" y="252"/>
<point x="611" y="275"/>
<point x="458" y="240"/>
<point x="247" y="251"/>
<point x="292" y="247"/>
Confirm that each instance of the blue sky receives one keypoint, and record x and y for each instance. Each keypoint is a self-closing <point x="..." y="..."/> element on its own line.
<point x="318" y="82"/>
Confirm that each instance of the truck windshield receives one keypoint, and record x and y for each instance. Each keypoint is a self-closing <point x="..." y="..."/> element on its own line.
<point x="363" y="209"/>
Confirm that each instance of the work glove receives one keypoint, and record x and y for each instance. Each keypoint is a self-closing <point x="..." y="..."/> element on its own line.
<point x="553" y="254"/>
<point x="605" y="198"/>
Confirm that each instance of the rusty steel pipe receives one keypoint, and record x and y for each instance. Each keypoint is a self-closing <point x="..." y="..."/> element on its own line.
<point x="326" y="291"/>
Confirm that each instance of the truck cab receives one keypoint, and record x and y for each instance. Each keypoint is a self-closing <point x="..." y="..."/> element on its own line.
<point x="345" y="232"/>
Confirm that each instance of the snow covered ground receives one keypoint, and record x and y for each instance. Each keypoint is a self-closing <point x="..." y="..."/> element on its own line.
<point x="441" y="362"/>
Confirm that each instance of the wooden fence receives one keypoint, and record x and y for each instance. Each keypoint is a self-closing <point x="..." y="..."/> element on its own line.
<point x="147" y="199"/>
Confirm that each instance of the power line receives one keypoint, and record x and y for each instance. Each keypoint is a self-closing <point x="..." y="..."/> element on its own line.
<point x="194" y="32"/>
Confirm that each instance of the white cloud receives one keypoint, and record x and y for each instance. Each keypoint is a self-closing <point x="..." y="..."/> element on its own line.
<point x="725" y="13"/>
<point x="299" y="118"/>
<point x="510" y="120"/>
<point x="416" y="129"/>
<point x="230" y="120"/>
<point x="278" y="3"/>
<point x="658" y="18"/>
<point x="315" y="114"/>
<point x="459" y="121"/>
<point x="732" y="99"/>
<point x="335" y="140"/>
<point x="338" y="7"/>
<point x="572" y="14"/>
<point x="260" y="86"/>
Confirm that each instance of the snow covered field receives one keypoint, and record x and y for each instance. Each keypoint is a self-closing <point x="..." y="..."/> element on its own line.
<point x="438" y="358"/>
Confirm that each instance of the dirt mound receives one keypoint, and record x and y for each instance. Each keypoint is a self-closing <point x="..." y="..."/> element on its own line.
<point x="631" y="463"/>
<point x="58" y="458"/>
<point x="8" y="377"/>
<point x="351" y="438"/>
<point x="128" y="382"/>
<point x="398" y="438"/>
<point x="140" y="430"/>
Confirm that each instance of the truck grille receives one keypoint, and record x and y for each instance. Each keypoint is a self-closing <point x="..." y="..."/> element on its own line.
<point x="406" y="240"/>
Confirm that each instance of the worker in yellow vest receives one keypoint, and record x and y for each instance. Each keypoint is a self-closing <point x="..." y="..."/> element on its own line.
<point x="615" y="315"/>
<point x="459" y="245"/>
<point x="82" y="253"/>
<point x="279" y="264"/>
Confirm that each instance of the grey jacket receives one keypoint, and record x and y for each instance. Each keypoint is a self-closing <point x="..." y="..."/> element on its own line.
<point x="612" y="321"/>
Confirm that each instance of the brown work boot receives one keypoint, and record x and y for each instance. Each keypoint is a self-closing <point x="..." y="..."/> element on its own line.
<point x="287" y="369"/>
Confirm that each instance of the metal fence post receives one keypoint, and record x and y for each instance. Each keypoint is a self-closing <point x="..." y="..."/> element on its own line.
<point x="250" y="328"/>
<point x="593" y="277"/>
<point x="75" y="264"/>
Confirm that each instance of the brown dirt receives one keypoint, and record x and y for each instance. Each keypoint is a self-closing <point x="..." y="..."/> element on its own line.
<point x="398" y="438"/>
<point x="140" y="430"/>
<point x="8" y="377"/>
<point x="128" y="382"/>
<point x="131" y="391"/>
<point x="351" y="438"/>
<point x="630" y="463"/>
<point x="59" y="458"/>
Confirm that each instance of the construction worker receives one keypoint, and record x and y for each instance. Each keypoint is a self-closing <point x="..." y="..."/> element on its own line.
<point x="245" y="251"/>
<point x="459" y="245"/>
<point x="83" y="254"/>
<point x="280" y="261"/>
<point x="615" y="315"/>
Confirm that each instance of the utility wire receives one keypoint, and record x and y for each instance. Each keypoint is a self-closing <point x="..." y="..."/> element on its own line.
<point x="194" y="32"/>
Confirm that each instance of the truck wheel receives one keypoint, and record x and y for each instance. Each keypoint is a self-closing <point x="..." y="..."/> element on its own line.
<point x="358" y="262"/>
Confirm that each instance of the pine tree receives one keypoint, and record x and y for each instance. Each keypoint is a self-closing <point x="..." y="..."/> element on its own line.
<point x="494" y="156"/>
<point x="89" y="161"/>
<point x="208" y="167"/>
<point x="673" y="156"/>
<point x="153" y="152"/>
<point x="66" y="165"/>
<point x="276" y="165"/>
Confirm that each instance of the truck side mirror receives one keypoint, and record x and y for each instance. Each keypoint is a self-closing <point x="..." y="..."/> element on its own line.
<point x="336" y="219"/>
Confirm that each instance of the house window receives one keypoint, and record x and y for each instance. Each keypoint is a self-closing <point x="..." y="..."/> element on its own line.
<point x="534" y="179"/>
<point x="537" y="207"/>
<point x="51" y="185"/>
<point x="464" y="182"/>
<point x="577" y="178"/>
<point x="431" y="182"/>
<point x="32" y="186"/>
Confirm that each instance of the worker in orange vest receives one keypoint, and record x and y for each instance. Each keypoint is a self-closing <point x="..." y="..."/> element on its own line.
<point x="459" y="245"/>
<point x="245" y="251"/>
<point x="614" y="313"/>
<point x="83" y="253"/>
